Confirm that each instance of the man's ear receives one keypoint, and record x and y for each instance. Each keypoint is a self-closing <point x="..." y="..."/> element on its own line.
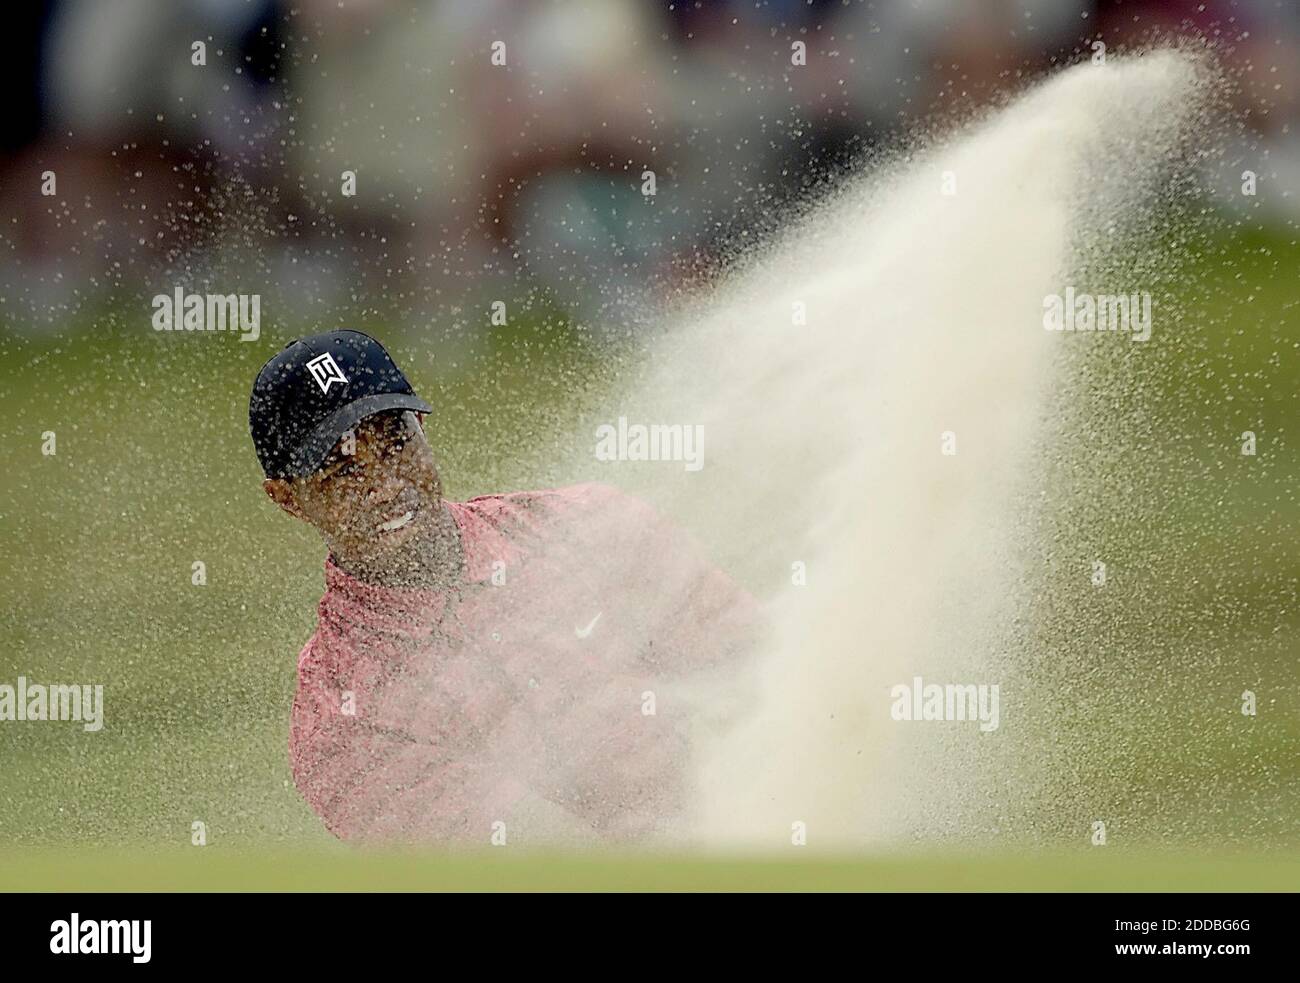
<point x="281" y="492"/>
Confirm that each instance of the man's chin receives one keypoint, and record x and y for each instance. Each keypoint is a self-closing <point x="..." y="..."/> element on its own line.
<point x="395" y="546"/>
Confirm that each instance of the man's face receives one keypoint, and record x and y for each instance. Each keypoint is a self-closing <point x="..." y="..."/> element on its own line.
<point x="375" y="492"/>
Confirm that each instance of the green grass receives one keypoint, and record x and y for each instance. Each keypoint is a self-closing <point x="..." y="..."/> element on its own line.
<point x="213" y="869"/>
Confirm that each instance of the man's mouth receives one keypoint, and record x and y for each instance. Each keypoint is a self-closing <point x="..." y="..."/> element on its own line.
<point x="397" y="521"/>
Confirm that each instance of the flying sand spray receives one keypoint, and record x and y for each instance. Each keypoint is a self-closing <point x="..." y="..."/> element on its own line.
<point x="873" y="389"/>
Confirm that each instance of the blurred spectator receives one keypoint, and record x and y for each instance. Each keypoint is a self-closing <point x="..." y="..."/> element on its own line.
<point x="521" y="180"/>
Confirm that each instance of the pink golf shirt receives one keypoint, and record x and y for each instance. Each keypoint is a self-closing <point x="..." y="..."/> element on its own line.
<point x="428" y="715"/>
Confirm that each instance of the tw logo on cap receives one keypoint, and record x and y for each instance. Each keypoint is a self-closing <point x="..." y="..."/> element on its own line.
<point x="326" y="371"/>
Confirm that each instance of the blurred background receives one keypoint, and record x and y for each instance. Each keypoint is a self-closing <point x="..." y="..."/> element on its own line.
<point x="518" y="181"/>
<point x="475" y="183"/>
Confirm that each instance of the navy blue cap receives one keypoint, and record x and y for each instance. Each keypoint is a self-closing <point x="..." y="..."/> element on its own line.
<point x="316" y="390"/>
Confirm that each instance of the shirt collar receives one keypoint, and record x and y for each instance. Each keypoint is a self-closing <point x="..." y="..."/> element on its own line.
<point x="416" y="611"/>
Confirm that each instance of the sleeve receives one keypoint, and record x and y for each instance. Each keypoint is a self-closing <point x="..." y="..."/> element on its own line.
<point x="697" y="617"/>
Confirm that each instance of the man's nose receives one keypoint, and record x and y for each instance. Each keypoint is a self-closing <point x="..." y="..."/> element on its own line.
<point x="385" y="483"/>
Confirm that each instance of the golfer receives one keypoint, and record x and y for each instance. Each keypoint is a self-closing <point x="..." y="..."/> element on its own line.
<point x="498" y="670"/>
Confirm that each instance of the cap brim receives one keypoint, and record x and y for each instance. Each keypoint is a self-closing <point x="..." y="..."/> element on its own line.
<point x="311" y="453"/>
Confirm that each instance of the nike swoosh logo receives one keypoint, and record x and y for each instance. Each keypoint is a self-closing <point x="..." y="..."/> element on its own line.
<point x="584" y="632"/>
